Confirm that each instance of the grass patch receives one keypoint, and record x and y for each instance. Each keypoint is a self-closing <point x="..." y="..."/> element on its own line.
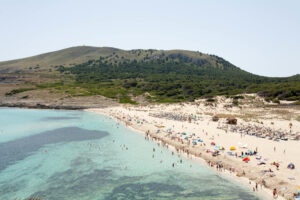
<point x="235" y="102"/>
<point x="127" y="99"/>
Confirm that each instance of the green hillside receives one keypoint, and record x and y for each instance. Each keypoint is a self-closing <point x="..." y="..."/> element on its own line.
<point x="158" y="75"/>
<point x="77" y="55"/>
<point x="64" y="57"/>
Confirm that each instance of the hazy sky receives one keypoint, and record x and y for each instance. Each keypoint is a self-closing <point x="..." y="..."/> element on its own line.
<point x="260" y="36"/>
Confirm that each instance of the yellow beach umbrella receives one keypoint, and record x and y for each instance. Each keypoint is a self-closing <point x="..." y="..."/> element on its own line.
<point x="232" y="148"/>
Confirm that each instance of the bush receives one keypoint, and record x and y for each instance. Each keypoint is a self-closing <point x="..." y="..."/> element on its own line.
<point x="16" y="91"/>
<point x="239" y="97"/>
<point x="276" y="101"/>
<point x="210" y="100"/>
<point x="127" y="99"/>
<point x="235" y="102"/>
<point x="268" y="99"/>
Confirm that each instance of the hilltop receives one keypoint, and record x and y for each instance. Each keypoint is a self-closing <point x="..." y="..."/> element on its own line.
<point x="81" y="54"/>
<point x="67" y="57"/>
<point x="134" y="75"/>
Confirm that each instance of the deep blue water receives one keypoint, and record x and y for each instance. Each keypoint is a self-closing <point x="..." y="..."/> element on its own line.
<point x="79" y="155"/>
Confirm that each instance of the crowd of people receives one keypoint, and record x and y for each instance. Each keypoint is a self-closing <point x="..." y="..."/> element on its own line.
<point x="174" y="116"/>
<point x="261" y="132"/>
<point x="189" y="143"/>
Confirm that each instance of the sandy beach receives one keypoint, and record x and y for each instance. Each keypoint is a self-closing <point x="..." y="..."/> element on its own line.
<point x="256" y="151"/>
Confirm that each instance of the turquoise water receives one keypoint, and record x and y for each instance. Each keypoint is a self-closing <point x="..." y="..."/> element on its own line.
<point x="79" y="155"/>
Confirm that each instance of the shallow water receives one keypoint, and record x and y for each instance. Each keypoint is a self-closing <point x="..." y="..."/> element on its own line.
<point x="78" y="155"/>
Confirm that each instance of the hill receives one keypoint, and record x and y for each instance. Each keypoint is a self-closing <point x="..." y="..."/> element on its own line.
<point x="80" y="54"/>
<point x="158" y="75"/>
<point x="65" y="57"/>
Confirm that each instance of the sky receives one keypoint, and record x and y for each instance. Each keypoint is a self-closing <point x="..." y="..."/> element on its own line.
<point x="259" y="36"/>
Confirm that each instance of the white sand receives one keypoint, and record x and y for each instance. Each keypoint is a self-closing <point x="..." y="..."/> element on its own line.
<point x="285" y="180"/>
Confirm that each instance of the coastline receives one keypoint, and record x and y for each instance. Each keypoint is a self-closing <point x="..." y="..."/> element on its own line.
<point x="42" y="106"/>
<point x="111" y="111"/>
<point x="46" y="101"/>
<point x="194" y="156"/>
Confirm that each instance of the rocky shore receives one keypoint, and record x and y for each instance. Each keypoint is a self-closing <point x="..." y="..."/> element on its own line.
<point x="56" y="102"/>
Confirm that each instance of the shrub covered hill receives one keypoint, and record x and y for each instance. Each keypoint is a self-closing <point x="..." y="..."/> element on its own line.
<point x="158" y="75"/>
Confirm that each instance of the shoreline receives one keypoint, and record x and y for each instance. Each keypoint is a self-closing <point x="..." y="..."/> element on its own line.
<point x="263" y="192"/>
<point x="277" y="182"/>
<point x="43" y="106"/>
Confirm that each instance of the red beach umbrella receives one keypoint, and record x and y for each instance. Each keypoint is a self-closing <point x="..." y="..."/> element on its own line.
<point x="246" y="159"/>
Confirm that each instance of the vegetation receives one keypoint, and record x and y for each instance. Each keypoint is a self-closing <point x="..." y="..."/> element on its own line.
<point x="235" y="102"/>
<point x="16" y="91"/>
<point x="175" y="78"/>
<point x="276" y="101"/>
<point x="210" y="100"/>
<point x="161" y="76"/>
<point x="297" y="102"/>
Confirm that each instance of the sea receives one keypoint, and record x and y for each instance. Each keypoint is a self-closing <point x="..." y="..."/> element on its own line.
<point x="78" y="155"/>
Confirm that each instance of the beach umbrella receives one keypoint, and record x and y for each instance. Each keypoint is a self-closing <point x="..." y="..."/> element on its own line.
<point x="200" y="140"/>
<point x="212" y="143"/>
<point x="283" y="189"/>
<point x="246" y="159"/>
<point x="232" y="148"/>
<point x="186" y="137"/>
<point x="291" y="166"/>
<point x="261" y="163"/>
